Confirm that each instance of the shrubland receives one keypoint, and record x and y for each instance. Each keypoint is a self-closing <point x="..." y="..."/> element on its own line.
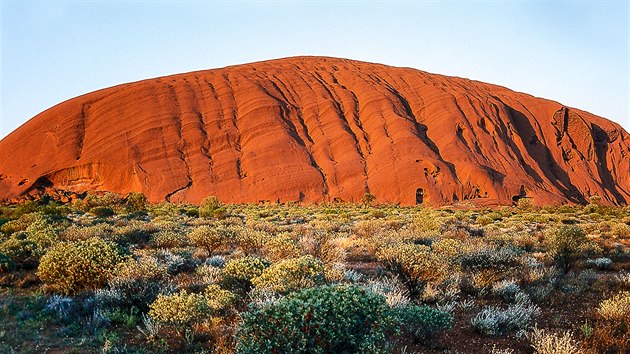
<point x="118" y="274"/>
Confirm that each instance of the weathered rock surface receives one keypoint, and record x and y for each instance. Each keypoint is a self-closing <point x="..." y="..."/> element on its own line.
<point x="317" y="129"/>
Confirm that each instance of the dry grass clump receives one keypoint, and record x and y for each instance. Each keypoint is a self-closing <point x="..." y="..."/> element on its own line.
<point x="545" y="342"/>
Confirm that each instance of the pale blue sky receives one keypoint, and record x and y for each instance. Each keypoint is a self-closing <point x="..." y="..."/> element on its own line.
<point x="574" y="52"/>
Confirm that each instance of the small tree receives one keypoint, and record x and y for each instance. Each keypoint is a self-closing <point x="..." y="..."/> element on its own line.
<point x="211" y="238"/>
<point x="368" y="199"/>
<point x="566" y="244"/>
<point x="211" y="207"/>
<point x="136" y="201"/>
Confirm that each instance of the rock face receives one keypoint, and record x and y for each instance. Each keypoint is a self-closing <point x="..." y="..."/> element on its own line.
<point x="316" y="129"/>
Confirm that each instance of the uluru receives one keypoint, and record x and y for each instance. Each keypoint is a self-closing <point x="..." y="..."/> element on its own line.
<point x="318" y="129"/>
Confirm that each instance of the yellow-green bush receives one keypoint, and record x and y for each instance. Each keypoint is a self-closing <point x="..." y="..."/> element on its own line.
<point x="169" y="239"/>
<point x="6" y="263"/>
<point x="621" y="230"/>
<point x="136" y="202"/>
<point x="413" y="264"/>
<point x="238" y="273"/>
<point x="250" y="241"/>
<point x="211" y="207"/>
<point x="181" y="309"/>
<point x="280" y="247"/>
<point x="23" y="252"/>
<point x="566" y="244"/>
<point x="70" y="267"/>
<point x="211" y="238"/>
<point x="218" y="299"/>
<point x="448" y="248"/>
<point x="100" y="230"/>
<point x="291" y="275"/>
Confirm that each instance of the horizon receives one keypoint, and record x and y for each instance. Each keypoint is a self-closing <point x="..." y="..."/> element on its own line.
<point x="579" y="60"/>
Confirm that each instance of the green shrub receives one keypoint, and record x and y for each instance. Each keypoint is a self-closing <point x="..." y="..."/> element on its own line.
<point x="325" y="319"/>
<point x="19" y="224"/>
<point x="422" y="323"/>
<point x="291" y="275"/>
<point x="489" y="258"/>
<point x="280" y="247"/>
<point x="211" y="238"/>
<point x="136" y="283"/>
<point x="23" y="252"/>
<point x="238" y="273"/>
<point x="6" y="263"/>
<point x="211" y="207"/>
<point x="102" y="211"/>
<point x="136" y="202"/>
<point x="70" y="267"/>
<point x="180" y="310"/>
<point x="218" y="299"/>
<point x="106" y="199"/>
<point x="414" y="265"/>
<point x="169" y="239"/>
<point x="251" y="241"/>
<point x="566" y="244"/>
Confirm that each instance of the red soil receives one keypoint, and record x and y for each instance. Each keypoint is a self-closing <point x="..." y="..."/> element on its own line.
<point x="318" y="129"/>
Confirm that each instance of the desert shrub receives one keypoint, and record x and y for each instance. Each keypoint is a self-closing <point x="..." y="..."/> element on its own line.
<point x="22" y="252"/>
<point x="421" y="323"/>
<point x="506" y="290"/>
<point x="323" y="245"/>
<point x="211" y="238"/>
<point x="621" y="230"/>
<point x="545" y="342"/>
<point x="291" y="275"/>
<point x="136" y="283"/>
<point x="565" y="244"/>
<point x="136" y="202"/>
<point x="414" y="265"/>
<point x="211" y="207"/>
<point x="169" y="239"/>
<point x="70" y="267"/>
<point x="180" y="310"/>
<point x="176" y="261"/>
<point x="62" y="307"/>
<point x="134" y="232"/>
<point x="325" y="319"/>
<point x="209" y="274"/>
<point x="238" y="273"/>
<point x="92" y="200"/>
<point x="600" y="263"/>
<point x="484" y="220"/>
<point x="6" y="263"/>
<point x="100" y="230"/>
<point x="617" y="308"/>
<point x="426" y="222"/>
<point x="489" y="258"/>
<point x="22" y="223"/>
<point x="216" y="261"/>
<point x="448" y="248"/>
<point x="611" y="332"/>
<point x="280" y="247"/>
<point x="493" y="320"/>
<point x="218" y="299"/>
<point x="395" y="293"/>
<point x="102" y="211"/>
<point x="251" y="241"/>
